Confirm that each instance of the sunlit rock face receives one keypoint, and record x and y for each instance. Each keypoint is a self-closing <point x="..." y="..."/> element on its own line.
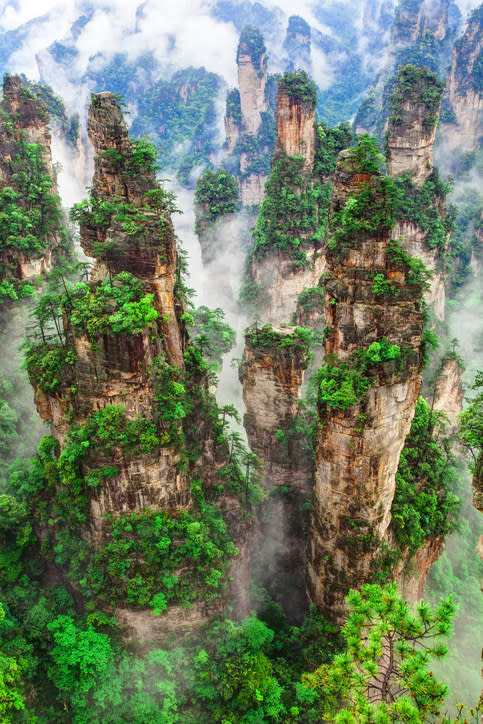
<point x="448" y="392"/>
<point x="464" y="90"/>
<point x="358" y="448"/>
<point x="252" y="79"/>
<point x="295" y="128"/>
<point x="25" y="120"/>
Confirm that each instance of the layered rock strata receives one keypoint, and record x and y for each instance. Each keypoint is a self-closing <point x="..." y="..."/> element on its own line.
<point x="295" y="118"/>
<point x="360" y="437"/>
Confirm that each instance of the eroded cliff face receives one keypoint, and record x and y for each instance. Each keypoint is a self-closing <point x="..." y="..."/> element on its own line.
<point x="295" y="128"/>
<point x="362" y="424"/>
<point x="271" y="372"/>
<point x="413" y="570"/>
<point x="411" y="21"/>
<point x="128" y="230"/>
<point x="448" y="391"/>
<point x="412" y="126"/>
<point x="247" y="121"/>
<point x="464" y="88"/>
<point x="282" y="282"/>
<point x="411" y="132"/>
<point x="24" y="138"/>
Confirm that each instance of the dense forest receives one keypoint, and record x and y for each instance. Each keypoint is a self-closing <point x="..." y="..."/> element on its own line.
<point x="241" y="449"/>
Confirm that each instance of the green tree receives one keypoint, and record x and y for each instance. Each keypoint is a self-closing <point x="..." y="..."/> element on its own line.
<point x="383" y="674"/>
<point x="11" y="698"/>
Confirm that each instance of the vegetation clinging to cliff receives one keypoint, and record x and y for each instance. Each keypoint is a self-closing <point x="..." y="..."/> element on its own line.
<point x="216" y="194"/>
<point x="29" y="215"/>
<point x="251" y="42"/>
<point x="424" y="504"/>
<point x="419" y="86"/>
<point x="294" y="212"/>
<point x="298" y="86"/>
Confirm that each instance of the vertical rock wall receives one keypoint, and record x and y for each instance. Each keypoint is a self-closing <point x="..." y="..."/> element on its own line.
<point x="295" y="128"/>
<point x="464" y="88"/>
<point x="358" y="445"/>
<point x="25" y="120"/>
<point x="247" y="106"/>
<point x="410" y="138"/>
<point x="118" y="368"/>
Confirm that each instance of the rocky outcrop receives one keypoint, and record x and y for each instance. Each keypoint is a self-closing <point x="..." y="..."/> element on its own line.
<point x="283" y="282"/>
<point x="25" y="145"/>
<point x="128" y="230"/>
<point x="414" y="18"/>
<point x="411" y="133"/>
<point x="295" y="126"/>
<point x="271" y="373"/>
<point x="297" y="44"/>
<point x="412" y="571"/>
<point x="464" y="89"/>
<point x="30" y="120"/>
<point x="248" y="120"/>
<point x="413" y="241"/>
<point x="360" y="433"/>
<point x="279" y="273"/>
<point x="448" y="391"/>
<point x="252" y="78"/>
<point x="412" y="126"/>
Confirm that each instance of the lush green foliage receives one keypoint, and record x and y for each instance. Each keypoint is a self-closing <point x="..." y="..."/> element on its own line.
<point x="420" y="86"/>
<point x="233" y="106"/>
<point x="294" y="211"/>
<point x="365" y="156"/>
<point x="297" y="340"/>
<point x="29" y="216"/>
<point x="298" y="86"/>
<point x="118" y="305"/>
<point x="383" y="675"/>
<point x="424" y="504"/>
<point x="423" y="207"/>
<point x="344" y="384"/>
<point x="211" y="334"/>
<point x="251" y="42"/>
<point x="216" y="194"/>
<point x="329" y="143"/>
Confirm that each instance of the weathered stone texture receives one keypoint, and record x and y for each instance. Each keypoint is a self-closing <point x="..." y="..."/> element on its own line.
<point x="357" y="450"/>
<point x="30" y="122"/>
<point x="463" y="89"/>
<point x="295" y="128"/>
